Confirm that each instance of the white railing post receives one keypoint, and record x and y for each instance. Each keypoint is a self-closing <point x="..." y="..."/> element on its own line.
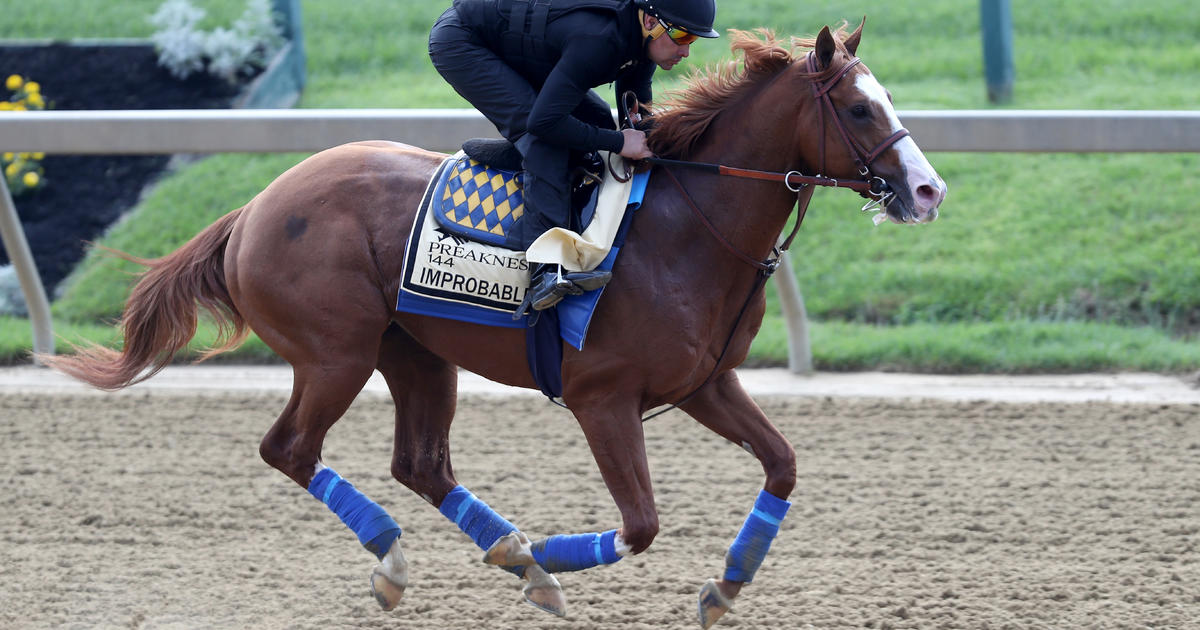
<point x="800" y="360"/>
<point x="13" y="236"/>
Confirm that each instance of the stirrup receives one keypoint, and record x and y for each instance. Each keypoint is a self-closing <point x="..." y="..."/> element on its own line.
<point x="549" y="288"/>
<point x="589" y="280"/>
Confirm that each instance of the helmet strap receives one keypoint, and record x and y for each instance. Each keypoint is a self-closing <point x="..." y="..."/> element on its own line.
<point x="653" y="33"/>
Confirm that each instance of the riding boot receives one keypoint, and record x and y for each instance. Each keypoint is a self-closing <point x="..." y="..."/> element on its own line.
<point x="548" y="285"/>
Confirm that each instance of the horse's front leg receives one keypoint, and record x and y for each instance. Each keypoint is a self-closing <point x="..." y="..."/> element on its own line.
<point x="726" y="408"/>
<point x="614" y="434"/>
<point x="613" y="430"/>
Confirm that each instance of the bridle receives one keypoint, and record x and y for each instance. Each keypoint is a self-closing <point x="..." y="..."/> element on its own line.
<point x="878" y="192"/>
<point x="862" y="157"/>
<point x="872" y="186"/>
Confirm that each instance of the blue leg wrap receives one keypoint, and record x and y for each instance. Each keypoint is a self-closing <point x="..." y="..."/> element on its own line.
<point x="576" y="553"/>
<point x="375" y="528"/>
<point x="746" y="553"/>
<point x="475" y="518"/>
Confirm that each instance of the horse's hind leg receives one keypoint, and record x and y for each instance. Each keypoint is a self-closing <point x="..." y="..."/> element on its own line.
<point x="424" y="387"/>
<point x="326" y="381"/>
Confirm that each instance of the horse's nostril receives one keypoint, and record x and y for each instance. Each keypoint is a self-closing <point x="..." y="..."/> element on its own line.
<point x="926" y="192"/>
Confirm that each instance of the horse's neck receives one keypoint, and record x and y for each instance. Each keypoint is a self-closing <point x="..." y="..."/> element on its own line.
<point x="749" y="213"/>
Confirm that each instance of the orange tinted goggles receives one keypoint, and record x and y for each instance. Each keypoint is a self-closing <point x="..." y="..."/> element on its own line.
<point x="680" y="36"/>
<point x="677" y="35"/>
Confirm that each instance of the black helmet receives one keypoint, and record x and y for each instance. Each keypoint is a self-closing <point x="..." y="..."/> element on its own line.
<point x="693" y="16"/>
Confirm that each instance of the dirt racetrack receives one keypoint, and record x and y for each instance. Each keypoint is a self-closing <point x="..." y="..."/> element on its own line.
<point x="153" y="510"/>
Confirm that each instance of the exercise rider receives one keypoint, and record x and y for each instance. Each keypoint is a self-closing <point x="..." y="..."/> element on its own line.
<point x="530" y="65"/>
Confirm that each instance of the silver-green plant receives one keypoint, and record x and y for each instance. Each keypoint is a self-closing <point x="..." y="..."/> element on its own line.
<point x="184" y="48"/>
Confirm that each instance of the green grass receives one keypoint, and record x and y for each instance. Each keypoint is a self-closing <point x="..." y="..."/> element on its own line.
<point x="988" y="347"/>
<point x="1052" y="262"/>
<point x="16" y="341"/>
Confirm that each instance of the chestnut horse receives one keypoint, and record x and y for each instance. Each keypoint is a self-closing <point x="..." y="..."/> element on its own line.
<point x="312" y="265"/>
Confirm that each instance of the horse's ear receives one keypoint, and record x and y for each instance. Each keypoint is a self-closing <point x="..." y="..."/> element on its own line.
<point x="825" y="49"/>
<point x="851" y="42"/>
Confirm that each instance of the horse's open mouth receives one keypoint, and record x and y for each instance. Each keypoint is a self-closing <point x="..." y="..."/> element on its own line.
<point x="890" y="208"/>
<point x="895" y="208"/>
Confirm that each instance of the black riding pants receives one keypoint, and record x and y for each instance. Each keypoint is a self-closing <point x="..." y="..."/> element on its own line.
<point x="505" y="98"/>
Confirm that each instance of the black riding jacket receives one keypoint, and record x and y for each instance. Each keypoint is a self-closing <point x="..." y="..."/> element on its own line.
<point x="569" y="48"/>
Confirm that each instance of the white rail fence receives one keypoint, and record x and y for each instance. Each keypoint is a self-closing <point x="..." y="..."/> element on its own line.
<point x="309" y="130"/>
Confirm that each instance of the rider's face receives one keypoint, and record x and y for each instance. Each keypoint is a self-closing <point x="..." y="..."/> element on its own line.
<point x="663" y="51"/>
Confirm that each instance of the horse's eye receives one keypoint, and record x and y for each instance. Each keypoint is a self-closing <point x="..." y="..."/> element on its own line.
<point x="859" y="111"/>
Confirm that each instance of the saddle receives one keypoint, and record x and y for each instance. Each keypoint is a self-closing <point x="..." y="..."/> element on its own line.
<point x="482" y="197"/>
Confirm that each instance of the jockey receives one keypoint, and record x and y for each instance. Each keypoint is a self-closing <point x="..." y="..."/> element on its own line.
<point x="530" y="65"/>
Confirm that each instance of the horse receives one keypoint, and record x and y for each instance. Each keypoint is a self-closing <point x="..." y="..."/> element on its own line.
<point x="312" y="266"/>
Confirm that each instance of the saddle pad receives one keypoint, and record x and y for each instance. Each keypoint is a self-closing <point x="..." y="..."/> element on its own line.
<point x="477" y="201"/>
<point x="446" y="275"/>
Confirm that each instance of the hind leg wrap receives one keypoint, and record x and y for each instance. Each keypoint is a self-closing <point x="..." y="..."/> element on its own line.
<point x="375" y="528"/>
<point x="474" y="517"/>
<point x="478" y="520"/>
<point x="750" y="547"/>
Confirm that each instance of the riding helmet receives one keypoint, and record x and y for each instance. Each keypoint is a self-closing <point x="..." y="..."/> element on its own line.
<point x="693" y="16"/>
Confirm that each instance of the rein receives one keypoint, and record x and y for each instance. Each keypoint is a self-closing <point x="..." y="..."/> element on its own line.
<point x="797" y="182"/>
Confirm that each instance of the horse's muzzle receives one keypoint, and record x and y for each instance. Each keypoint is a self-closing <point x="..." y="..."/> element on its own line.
<point x="914" y="202"/>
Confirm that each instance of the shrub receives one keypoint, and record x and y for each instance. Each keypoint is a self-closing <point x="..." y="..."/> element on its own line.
<point x="183" y="48"/>
<point x="23" y="172"/>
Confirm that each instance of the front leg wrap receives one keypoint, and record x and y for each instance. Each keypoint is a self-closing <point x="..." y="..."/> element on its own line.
<point x="750" y="547"/>
<point x="557" y="554"/>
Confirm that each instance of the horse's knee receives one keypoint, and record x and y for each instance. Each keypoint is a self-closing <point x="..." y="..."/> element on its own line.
<point x="639" y="533"/>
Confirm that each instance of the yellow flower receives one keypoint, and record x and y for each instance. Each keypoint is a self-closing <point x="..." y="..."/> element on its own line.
<point x="19" y="106"/>
<point x="5" y="106"/>
<point x="8" y="157"/>
<point x="33" y="87"/>
<point x="35" y="100"/>
<point x="30" y="179"/>
<point x="14" y="82"/>
<point x="11" y="169"/>
<point x="38" y="156"/>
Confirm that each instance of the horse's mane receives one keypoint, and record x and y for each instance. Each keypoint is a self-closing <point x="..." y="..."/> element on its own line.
<point x="687" y="113"/>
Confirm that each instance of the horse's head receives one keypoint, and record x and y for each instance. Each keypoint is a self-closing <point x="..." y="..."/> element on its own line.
<point x="861" y="136"/>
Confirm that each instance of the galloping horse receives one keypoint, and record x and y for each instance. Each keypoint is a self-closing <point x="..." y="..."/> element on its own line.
<point x="312" y="265"/>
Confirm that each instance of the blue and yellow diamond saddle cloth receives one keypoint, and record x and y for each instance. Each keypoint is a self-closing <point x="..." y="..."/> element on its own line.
<point x="477" y="201"/>
<point x="473" y="278"/>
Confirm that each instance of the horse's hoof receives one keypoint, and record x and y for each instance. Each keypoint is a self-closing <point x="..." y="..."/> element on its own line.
<point x="512" y="550"/>
<point x="389" y="578"/>
<point x="386" y="592"/>
<point x="544" y="591"/>
<point x="713" y="604"/>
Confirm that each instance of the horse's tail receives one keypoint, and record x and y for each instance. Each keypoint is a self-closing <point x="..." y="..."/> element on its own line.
<point x="160" y="316"/>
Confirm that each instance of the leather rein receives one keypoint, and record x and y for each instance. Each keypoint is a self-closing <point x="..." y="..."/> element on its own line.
<point x="803" y="185"/>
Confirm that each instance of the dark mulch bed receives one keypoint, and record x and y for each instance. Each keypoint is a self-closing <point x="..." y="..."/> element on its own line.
<point x="83" y="195"/>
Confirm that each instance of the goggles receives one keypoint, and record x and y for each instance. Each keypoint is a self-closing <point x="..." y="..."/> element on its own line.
<point x="677" y="35"/>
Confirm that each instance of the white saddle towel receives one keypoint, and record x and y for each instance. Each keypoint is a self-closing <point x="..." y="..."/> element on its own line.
<point x="583" y="252"/>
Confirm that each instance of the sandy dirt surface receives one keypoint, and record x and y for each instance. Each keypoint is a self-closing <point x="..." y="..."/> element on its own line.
<point x="152" y="509"/>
